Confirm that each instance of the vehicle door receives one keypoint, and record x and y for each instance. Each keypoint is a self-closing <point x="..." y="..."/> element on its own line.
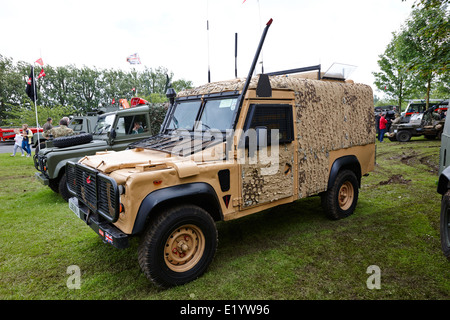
<point x="267" y="152"/>
<point x="124" y="131"/>
<point x="444" y="160"/>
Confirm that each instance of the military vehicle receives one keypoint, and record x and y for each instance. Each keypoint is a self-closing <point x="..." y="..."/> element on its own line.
<point x="444" y="189"/>
<point x="79" y="124"/>
<point x="113" y="131"/>
<point x="428" y="123"/>
<point x="227" y="150"/>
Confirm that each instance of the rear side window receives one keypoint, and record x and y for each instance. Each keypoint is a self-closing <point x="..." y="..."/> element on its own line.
<point x="272" y="116"/>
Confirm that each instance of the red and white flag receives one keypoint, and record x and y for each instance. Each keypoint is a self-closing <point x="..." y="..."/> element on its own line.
<point x="41" y="74"/>
<point x="39" y="61"/>
<point x="134" y="59"/>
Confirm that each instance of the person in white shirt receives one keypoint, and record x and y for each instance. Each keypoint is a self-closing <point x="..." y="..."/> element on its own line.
<point x="17" y="143"/>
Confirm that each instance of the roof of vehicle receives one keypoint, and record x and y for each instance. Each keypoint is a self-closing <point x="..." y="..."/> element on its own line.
<point x="291" y="82"/>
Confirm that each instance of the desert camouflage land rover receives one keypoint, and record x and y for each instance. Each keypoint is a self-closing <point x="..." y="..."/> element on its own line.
<point x="227" y="150"/>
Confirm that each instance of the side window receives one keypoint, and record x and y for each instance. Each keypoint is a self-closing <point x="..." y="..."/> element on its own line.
<point x="120" y="127"/>
<point x="132" y="125"/>
<point x="272" y="116"/>
<point x="76" y="124"/>
<point x="139" y="124"/>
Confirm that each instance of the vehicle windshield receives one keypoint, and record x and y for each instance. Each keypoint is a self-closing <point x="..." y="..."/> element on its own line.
<point x="104" y="124"/>
<point x="216" y="114"/>
<point x="184" y="115"/>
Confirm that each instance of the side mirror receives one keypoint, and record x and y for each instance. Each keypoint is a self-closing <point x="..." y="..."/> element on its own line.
<point x="112" y="134"/>
<point x="171" y="94"/>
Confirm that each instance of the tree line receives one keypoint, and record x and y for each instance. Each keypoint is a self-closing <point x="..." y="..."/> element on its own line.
<point x="68" y="90"/>
<point x="415" y="62"/>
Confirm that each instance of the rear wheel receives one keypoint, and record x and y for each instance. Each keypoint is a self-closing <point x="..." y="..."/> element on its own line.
<point x="340" y="200"/>
<point x="445" y="224"/>
<point x="178" y="246"/>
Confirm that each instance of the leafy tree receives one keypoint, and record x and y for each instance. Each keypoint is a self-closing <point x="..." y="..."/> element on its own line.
<point x="27" y="114"/>
<point x="426" y="35"/>
<point x="418" y="55"/>
<point x="429" y="3"/>
<point x="69" y="90"/>
<point x="394" y="79"/>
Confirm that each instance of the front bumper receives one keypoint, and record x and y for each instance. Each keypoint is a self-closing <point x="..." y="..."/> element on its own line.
<point x="107" y="231"/>
<point x="42" y="178"/>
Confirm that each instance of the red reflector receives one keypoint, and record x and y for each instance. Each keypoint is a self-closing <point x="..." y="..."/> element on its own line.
<point x="157" y="182"/>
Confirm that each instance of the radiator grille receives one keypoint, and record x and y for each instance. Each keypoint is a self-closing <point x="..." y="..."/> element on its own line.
<point x="96" y="190"/>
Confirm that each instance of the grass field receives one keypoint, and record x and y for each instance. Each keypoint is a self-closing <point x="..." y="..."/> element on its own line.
<point x="288" y="253"/>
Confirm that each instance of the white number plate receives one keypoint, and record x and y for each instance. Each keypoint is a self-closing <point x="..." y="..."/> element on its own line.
<point x="74" y="207"/>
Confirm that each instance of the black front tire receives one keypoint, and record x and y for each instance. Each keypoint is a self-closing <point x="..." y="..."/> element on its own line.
<point x="445" y="227"/>
<point x="403" y="136"/>
<point x="340" y="200"/>
<point x="54" y="185"/>
<point x="178" y="246"/>
<point x="63" y="191"/>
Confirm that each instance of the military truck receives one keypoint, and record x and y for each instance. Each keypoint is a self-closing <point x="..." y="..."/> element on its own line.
<point x="227" y="150"/>
<point x="113" y="131"/>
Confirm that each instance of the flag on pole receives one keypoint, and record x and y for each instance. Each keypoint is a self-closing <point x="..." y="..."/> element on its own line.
<point x="41" y="74"/>
<point x="39" y="61"/>
<point x="134" y="59"/>
<point x="30" y="86"/>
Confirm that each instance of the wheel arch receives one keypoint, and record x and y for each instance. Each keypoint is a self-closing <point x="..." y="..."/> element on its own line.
<point x="444" y="181"/>
<point x="197" y="193"/>
<point x="349" y="162"/>
<point x="60" y="168"/>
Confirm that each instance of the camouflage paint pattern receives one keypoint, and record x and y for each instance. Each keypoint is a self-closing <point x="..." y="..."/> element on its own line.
<point x="330" y="115"/>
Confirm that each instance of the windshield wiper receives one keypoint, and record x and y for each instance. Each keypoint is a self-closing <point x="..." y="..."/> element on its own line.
<point x="103" y="128"/>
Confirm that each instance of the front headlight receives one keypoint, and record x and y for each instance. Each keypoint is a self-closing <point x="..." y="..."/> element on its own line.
<point x="121" y="190"/>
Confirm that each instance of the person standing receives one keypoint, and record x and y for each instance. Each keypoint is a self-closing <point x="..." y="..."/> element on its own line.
<point x="48" y="125"/>
<point x="383" y="123"/>
<point x="17" y="143"/>
<point x="27" y="137"/>
<point x="60" y="131"/>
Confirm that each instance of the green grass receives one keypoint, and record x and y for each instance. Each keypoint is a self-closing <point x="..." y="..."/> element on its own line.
<point x="288" y="253"/>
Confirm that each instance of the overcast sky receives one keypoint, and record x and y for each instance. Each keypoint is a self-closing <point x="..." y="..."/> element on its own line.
<point x="173" y="34"/>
